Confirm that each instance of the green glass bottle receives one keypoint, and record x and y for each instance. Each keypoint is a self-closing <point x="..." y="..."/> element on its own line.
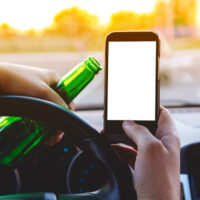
<point x="18" y="136"/>
<point x="77" y="79"/>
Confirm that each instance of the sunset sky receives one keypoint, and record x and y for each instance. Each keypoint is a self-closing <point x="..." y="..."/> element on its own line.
<point x="26" y="14"/>
<point x="37" y="14"/>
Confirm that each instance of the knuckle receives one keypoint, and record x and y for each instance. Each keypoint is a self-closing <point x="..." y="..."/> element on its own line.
<point x="140" y="128"/>
<point x="176" y="139"/>
<point x="175" y="142"/>
<point x="43" y="92"/>
<point x="53" y="75"/>
<point x="154" y="146"/>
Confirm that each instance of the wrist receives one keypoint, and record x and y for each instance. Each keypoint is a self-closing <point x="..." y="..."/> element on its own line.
<point x="161" y="196"/>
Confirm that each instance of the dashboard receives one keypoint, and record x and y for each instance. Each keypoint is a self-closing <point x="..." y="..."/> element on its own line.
<point x="187" y="121"/>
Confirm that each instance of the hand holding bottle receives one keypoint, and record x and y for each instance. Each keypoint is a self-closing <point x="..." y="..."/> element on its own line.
<point x="44" y="84"/>
<point x="32" y="81"/>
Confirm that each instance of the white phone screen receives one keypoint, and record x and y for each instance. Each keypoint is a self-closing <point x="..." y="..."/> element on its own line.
<point x="131" y="80"/>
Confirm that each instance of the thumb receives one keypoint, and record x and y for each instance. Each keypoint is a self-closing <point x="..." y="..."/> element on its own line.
<point x="137" y="133"/>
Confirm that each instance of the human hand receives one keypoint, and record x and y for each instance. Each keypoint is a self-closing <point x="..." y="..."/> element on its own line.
<point x="31" y="81"/>
<point x="157" y="165"/>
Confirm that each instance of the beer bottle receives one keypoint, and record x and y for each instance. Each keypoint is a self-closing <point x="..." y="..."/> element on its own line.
<point x="76" y="80"/>
<point x="18" y="136"/>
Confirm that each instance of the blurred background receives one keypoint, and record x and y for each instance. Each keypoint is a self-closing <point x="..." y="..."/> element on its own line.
<point x="59" y="34"/>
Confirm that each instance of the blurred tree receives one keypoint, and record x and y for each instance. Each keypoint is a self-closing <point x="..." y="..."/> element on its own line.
<point x="82" y="28"/>
<point x="122" y="21"/>
<point x="31" y="32"/>
<point x="180" y="12"/>
<point x="7" y="31"/>
<point x="146" y="21"/>
<point x="161" y="13"/>
<point x="74" y="22"/>
<point x="129" y="20"/>
<point x="185" y="12"/>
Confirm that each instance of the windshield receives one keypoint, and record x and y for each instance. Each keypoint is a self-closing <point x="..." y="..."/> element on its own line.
<point x="60" y="34"/>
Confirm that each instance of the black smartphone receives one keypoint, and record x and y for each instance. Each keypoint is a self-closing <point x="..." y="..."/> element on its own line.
<point x="131" y="81"/>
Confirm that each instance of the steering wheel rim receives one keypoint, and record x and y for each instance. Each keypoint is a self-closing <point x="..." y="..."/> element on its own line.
<point x="119" y="186"/>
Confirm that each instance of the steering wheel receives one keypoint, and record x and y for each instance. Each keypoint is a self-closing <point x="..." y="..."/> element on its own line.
<point x="118" y="186"/>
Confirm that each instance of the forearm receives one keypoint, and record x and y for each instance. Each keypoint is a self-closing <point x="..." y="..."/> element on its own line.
<point x="6" y="77"/>
<point x="160" y="197"/>
<point x="2" y="77"/>
<point x="172" y="193"/>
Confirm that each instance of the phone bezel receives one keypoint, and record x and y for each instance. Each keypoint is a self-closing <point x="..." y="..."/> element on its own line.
<point x="115" y="126"/>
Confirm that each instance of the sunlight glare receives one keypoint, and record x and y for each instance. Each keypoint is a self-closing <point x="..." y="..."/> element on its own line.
<point x="198" y="13"/>
<point x="37" y="14"/>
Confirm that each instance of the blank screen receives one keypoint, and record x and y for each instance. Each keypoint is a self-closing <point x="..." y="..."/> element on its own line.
<point x="131" y="80"/>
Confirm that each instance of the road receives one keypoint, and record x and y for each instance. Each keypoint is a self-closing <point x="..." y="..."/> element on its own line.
<point x="180" y="73"/>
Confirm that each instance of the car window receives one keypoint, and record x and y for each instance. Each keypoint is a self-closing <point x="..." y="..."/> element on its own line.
<point x="60" y="34"/>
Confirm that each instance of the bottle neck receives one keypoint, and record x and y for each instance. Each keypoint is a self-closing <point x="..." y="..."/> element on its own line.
<point x="93" y="65"/>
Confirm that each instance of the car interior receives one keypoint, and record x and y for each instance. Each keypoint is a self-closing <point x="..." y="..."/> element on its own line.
<point x="83" y="165"/>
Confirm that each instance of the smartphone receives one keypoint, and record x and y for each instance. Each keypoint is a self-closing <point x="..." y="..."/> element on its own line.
<point x="131" y="81"/>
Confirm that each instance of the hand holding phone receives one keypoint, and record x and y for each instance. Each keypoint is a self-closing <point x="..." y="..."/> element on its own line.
<point x="131" y="81"/>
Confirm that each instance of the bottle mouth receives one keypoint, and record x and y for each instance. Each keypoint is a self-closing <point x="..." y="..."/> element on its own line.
<point x="93" y="64"/>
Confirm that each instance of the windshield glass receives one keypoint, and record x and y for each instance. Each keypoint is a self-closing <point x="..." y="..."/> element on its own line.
<point x="60" y="34"/>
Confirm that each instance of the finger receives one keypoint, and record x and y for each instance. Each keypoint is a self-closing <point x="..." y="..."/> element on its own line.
<point x="72" y="106"/>
<point x="126" y="153"/>
<point x="51" y="95"/>
<point x="166" y="124"/>
<point x="52" y="78"/>
<point x="55" y="139"/>
<point x="166" y="131"/>
<point x="137" y="133"/>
